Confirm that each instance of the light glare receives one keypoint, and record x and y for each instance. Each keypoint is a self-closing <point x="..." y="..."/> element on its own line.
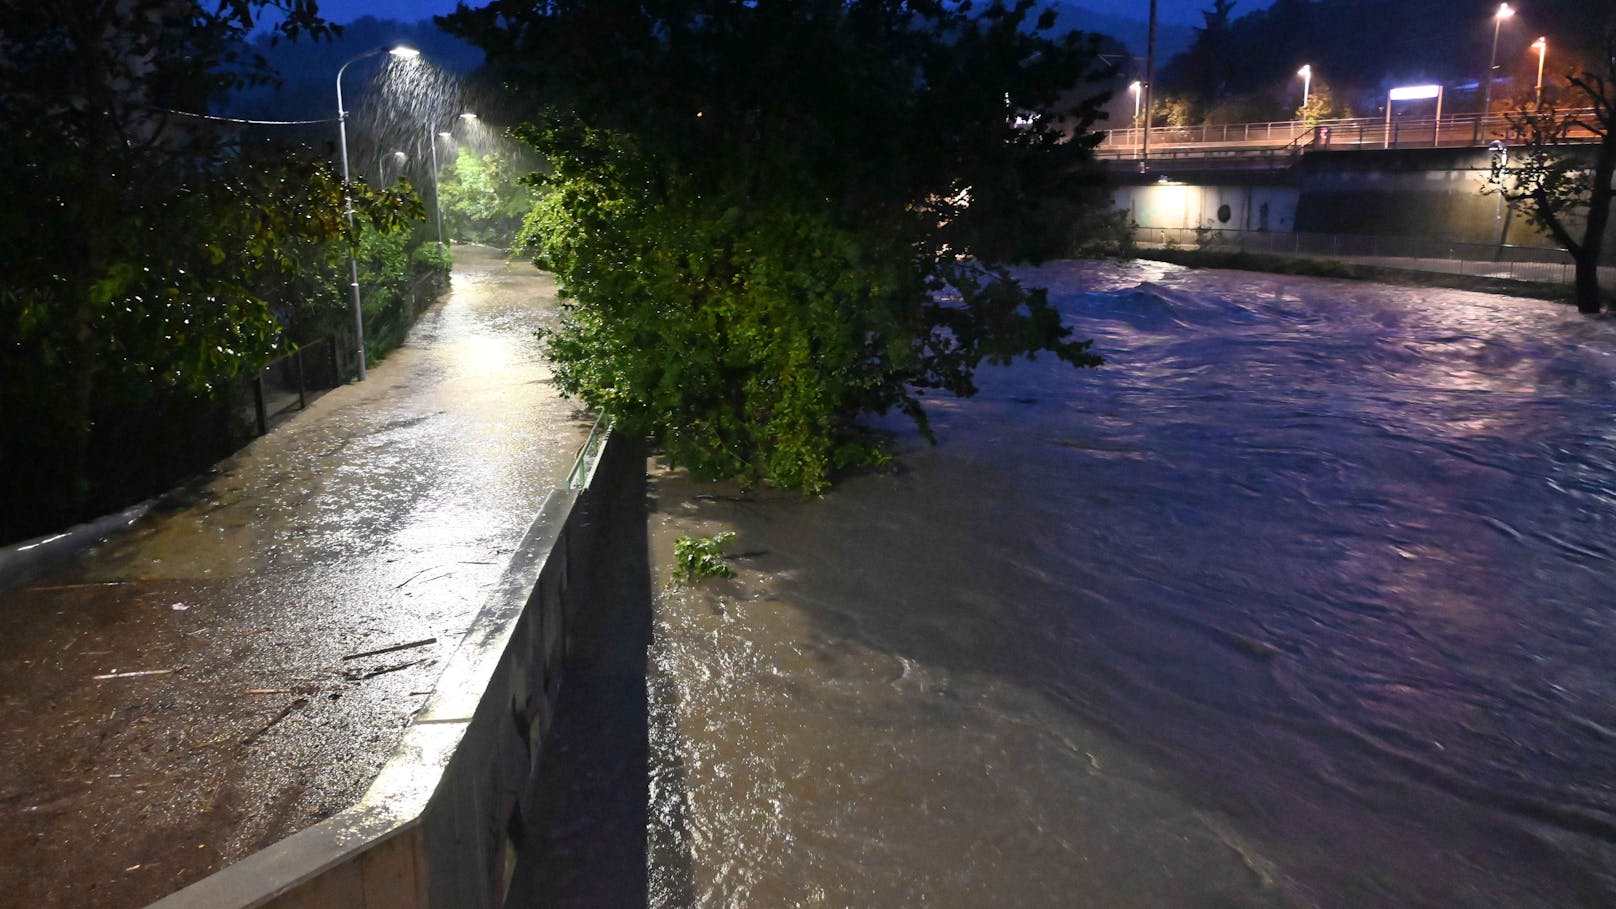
<point x="1415" y="92"/>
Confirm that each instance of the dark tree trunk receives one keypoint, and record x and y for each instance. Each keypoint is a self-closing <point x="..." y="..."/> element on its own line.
<point x="1587" y="282"/>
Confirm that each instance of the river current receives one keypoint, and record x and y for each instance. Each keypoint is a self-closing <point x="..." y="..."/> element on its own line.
<point x="1306" y="598"/>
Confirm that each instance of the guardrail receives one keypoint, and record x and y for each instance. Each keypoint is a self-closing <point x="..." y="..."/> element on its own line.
<point x="1457" y="130"/>
<point x="441" y="826"/>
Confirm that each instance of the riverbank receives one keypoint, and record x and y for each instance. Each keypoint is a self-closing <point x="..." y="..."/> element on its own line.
<point x="239" y="663"/>
<point x="1357" y="271"/>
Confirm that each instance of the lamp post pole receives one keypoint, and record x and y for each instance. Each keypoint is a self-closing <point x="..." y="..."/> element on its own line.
<point x="1135" y="87"/>
<point x="1150" y="77"/>
<point x="1541" y="45"/>
<point x="381" y="166"/>
<point x="1504" y="12"/>
<point x="1306" y="72"/>
<point x="437" y="200"/>
<point x="347" y="197"/>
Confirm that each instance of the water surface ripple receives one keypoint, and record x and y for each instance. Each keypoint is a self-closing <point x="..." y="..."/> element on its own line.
<point x="1306" y="598"/>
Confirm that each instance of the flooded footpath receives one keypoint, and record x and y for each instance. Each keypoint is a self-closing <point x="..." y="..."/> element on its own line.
<point x="1305" y="599"/>
<point x="238" y="664"/>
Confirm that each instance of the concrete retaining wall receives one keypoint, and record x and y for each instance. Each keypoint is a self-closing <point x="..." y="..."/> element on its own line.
<point x="444" y="822"/>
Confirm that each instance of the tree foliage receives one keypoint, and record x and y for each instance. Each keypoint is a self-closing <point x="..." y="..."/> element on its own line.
<point x="485" y="196"/>
<point x="771" y="217"/>
<point x="1558" y="180"/>
<point x="146" y="257"/>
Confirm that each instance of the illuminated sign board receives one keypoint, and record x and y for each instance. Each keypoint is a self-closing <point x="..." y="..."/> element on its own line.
<point x="1415" y="92"/>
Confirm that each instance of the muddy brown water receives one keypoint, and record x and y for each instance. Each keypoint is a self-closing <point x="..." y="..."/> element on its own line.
<point x="379" y="517"/>
<point x="1308" y="598"/>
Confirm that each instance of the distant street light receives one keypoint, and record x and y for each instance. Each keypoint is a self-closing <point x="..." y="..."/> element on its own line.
<point x="1136" y="87"/>
<point x="437" y="200"/>
<point x="1541" y="45"/>
<point x="381" y="165"/>
<point x="1504" y="12"/>
<point x="402" y="53"/>
<point x="1306" y="72"/>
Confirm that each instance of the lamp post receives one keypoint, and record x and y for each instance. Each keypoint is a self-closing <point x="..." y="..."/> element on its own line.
<point x="1306" y="72"/>
<point x="1136" y="87"/>
<point x="1541" y="45"/>
<point x="1504" y="12"/>
<point x="381" y="165"/>
<point x="437" y="200"/>
<point x="1150" y="79"/>
<point x="403" y="53"/>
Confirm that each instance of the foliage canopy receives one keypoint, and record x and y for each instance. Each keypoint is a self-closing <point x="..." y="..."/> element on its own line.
<point x="149" y="257"/>
<point x="771" y="217"/>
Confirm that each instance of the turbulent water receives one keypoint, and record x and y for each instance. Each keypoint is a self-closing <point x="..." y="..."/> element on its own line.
<point x="1306" y="598"/>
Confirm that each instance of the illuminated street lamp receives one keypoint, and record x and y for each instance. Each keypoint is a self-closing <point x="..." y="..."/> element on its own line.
<point x="1136" y="87"/>
<point x="1306" y="72"/>
<point x="1541" y="45"/>
<point x="1504" y="12"/>
<point x="381" y="165"/>
<point x="403" y="53"/>
<point x="437" y="200"/>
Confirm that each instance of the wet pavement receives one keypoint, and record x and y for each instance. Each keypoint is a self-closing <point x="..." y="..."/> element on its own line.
<point x="238" y="664"/>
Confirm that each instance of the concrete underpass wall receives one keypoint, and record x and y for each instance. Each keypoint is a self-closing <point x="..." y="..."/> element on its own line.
<point x="1190" y="203"/>
<point x="444" y="822"/>
<point x="1430" y="192"/>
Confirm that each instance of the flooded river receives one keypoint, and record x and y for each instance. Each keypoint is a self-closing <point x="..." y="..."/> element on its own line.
<point x="1305" y="599"/>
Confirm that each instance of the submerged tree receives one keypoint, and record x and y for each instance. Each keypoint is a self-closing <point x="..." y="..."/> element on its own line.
<point x="772" y="216"/>
<point x="1559" y="179"/>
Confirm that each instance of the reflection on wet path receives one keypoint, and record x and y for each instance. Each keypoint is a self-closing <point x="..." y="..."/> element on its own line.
<point x="1305" y="599"/>
<point x="379" y="517"/>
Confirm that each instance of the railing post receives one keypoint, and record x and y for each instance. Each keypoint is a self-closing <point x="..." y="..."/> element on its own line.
<point x="258" y="403"/>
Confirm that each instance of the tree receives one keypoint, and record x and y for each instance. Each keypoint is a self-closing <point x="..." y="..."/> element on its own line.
<point x="1320" y="105"/>
<point x="1204" y="67"/>
<point x="141" y="260"/>
<point x="772" y="216"/>
<point x="1558" y="179"/>
<point x="485" y="198"/>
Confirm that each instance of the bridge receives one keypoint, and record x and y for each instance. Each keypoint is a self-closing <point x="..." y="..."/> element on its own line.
<point x="1279" y="144"/>
<point x="1411" y="196"/>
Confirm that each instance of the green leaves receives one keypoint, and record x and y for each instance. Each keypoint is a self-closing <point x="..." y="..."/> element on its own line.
<point x="757" y="210"/>
<point x="697" y="558"/>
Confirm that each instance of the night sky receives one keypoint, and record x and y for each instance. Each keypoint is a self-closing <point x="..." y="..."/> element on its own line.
<point x="1183" y="11"/>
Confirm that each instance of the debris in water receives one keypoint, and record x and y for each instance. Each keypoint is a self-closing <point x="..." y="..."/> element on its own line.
<point x="115" y="674"/>
<point x="361" y="676"/>
<point x="379" y="651"/>
<point x="286" y="711"/>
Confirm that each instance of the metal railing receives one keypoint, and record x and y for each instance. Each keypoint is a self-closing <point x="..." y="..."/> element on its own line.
<point x="1519" y="263"/>
<point x="1456" y="130"/>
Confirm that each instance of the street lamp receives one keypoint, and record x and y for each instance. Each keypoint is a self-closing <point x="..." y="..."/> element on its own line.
<point x="402" y="53"/>
<point x="1306" y="72"/>
<point x="1541" y="45"/>
<point x="381" y="165"/>
<point x="1504" y="12"/>
<point x="437" y="200"/>
<point x="1136" y="87"/>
